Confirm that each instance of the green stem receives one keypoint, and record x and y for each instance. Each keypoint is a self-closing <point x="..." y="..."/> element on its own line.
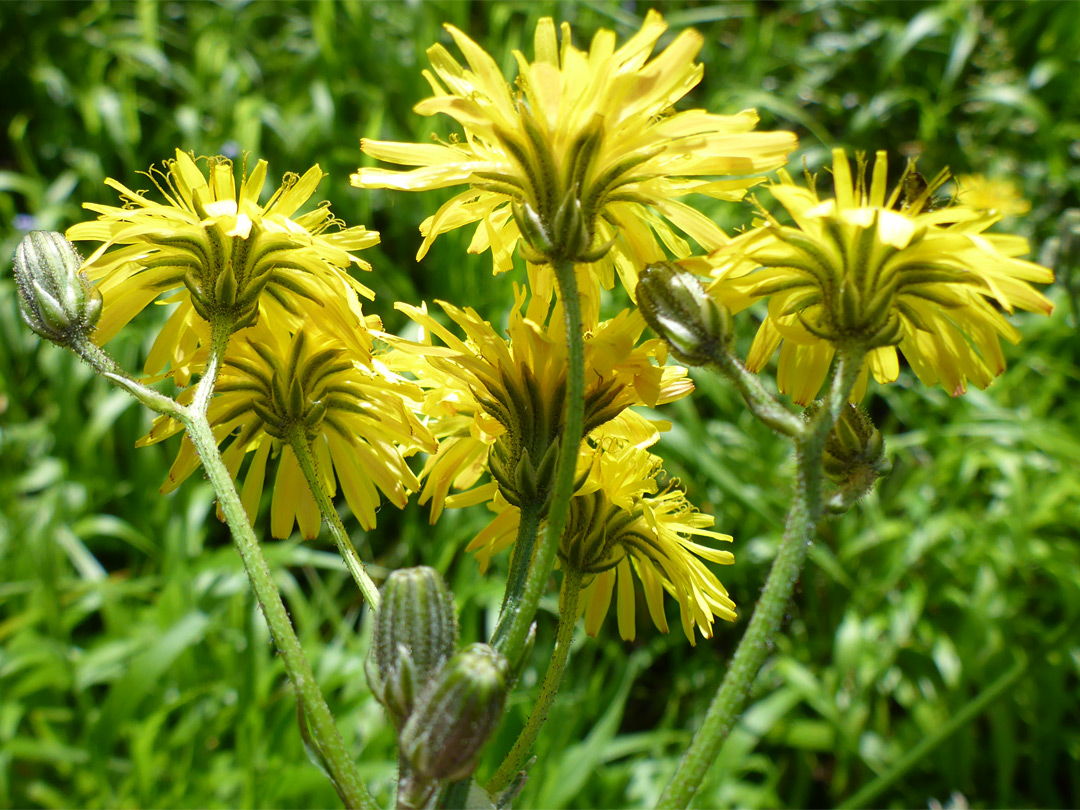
<point x="101" y="361"/>
<point x="302" y="448"/>
<point x="549" y="687"/>
<point x="972" y="710"/>
<point x="761" y="402"/>
<point x="220" y="332"/>
<point x="524" y="544"/>
<point x="573" y="428"/>
<point x="769" y="613"/>
<point x="108" y="368"/>
<point x="339" y="764"/>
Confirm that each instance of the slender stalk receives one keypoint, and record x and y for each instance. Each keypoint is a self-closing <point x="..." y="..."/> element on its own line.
<point x="332" y="748"/>
<point x="100" y="360"/>
<point x="220" y="332"/>
<point x="549" y="687"/>
<point x="103" y="364"/>
<point x="973" y="709"/>
<point x="768" y="618"/>
<point x="302" y="448"/>
<point x="761" y="402"/>
<point x="524" y="545"/>
<point x="563" y="489"/>
<point x="323" y="731"/>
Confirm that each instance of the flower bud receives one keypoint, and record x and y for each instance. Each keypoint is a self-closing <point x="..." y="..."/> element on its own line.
<point x="56" y="300"/>
<point x="570" y="232"/>
<point x="456" y="714"/>
<point x="536" y="241"/>
<point x="415" y="633"/>
<point x="568" y="236"/>
<point x="676" y="307"/>
<point x="854" y="449"/>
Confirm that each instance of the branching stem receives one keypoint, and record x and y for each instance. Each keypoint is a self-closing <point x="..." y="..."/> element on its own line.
<point x="308" y="464"/>
<point x="549" y="687"/>
<point x="524" y="546"/>
<point x="768" y="618"/>
<point x="331" y="748"/>
<point x="543" y="561"/>
<point x="761" y="402"/>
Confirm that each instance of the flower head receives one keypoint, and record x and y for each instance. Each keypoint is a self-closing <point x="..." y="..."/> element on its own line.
<point x="357" y="417"/>
<point x="999" y="195"/>
<point x="877" y="271"/>
<point x="622" y="522"/>
<point x="586" y="160"/>
<point x="497" y="403"/>
<point x="223" y="251"/>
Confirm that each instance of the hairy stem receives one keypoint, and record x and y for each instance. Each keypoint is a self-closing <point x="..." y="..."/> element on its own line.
<point x="563" y="489"/>
<point x="549" y="687"/>
<point x="306" y="458"/>
<point x="761" y="402"/>
<point x="220" y="331"/>
<point x="100" y="360"/>
<point x="768" y="618"/>
<point x="324" y="732"/>
<point x="524" y="545"/>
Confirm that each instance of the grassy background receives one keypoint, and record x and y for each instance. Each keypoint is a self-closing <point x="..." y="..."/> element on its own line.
<point x="134" y="669"/>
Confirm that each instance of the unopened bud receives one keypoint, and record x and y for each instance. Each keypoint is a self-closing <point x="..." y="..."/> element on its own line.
<point x="854" y="449"/>
<point x="456" y="714"/>
<point x="537" y="245"/>
<point x="570" y="232"/>
<point x="676" y="307"/>
<point x="415" y="634"/>
<point x="568" y="236"/>
<point x="56" y="300"/>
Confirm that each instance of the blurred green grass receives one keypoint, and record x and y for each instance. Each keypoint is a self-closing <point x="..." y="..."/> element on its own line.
<point x="134" y="668"/>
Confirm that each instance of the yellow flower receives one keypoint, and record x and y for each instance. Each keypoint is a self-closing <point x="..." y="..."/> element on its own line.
<point x="497" y="404"/>
<point x="1000" y="195"/>
<point x="877" y="271"/>
<point x="357" y="416"/>
<point x="586" y="150"/>
<point x="622" y="522"/>
<point x="224" y="252"/>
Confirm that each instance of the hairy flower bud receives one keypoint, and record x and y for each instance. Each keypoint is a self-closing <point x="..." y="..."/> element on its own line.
<point x="854" y="449"/>
<point x="676" y="307"/>
<point x="456" y="714"/>
<point x="415" y="633"/>
<point x="56" y="300"/>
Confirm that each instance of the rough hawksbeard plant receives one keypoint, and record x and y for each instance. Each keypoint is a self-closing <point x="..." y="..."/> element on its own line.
<point x="222" y="254"/>
<point x="497" y="403"/>
<point x="625" y="521"/>
<point x="275" y="390"/>
<point x="883" y="271"/>
<point x="584" y="155"/>
<point x="585" y="166"/>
